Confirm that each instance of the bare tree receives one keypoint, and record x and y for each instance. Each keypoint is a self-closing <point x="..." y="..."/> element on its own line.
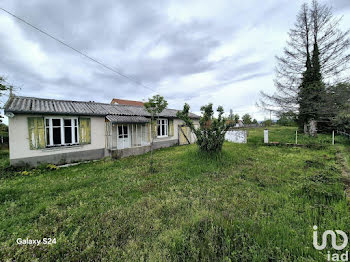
<point x="314" y="25"/>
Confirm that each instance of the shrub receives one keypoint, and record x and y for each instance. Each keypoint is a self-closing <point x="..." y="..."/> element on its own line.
<point x="211" y="132"/>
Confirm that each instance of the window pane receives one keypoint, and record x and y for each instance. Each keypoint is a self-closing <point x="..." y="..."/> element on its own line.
<point x="47" y="122"/>
<point x="125" y="130"/>
<point x="67" y="122"/>
<point x="158" y="130"/>
<point x="68" y="135"/>
<point x="120" y="131"/>
<point x="47" y="136"/>
<point x="56" y="136"/>
<point x="56" y="122"/>
<point x="163" y="130"/>
<point x="76" y="135"/>
<point x="75" y="122"/>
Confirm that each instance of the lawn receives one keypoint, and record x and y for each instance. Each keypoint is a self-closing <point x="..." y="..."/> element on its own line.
<point x="249" y="203"/>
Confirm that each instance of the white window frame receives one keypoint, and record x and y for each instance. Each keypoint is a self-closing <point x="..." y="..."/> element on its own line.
<point x="160" y="123"/>
<point x="75" y="140"/>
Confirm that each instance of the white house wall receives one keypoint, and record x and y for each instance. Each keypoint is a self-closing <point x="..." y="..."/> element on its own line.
<point x="19" y="139"/>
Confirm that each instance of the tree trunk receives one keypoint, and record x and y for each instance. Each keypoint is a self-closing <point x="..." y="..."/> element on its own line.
<point x="151" y="164"/>
<point x="313" y="128"/>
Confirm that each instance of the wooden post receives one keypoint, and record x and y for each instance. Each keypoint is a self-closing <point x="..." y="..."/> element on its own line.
<point x="333" y="137"/>
<point x="266" y="136"/>
<point x="296" y="136"/>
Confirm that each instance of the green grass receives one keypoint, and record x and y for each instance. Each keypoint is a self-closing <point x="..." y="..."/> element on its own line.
<point x="249" y="203"/>
<point x="287" y="135"/>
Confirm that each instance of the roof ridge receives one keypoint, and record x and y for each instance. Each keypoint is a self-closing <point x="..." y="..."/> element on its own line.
<point x="64" y="100"/>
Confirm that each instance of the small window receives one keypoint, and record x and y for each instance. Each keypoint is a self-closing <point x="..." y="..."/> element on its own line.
<point x="162" y="127"/>
<point x="120" y="131"/>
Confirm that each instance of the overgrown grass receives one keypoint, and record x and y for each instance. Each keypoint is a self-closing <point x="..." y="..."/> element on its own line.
<point x="287" y="135"/>
<point x="249" y="203"/>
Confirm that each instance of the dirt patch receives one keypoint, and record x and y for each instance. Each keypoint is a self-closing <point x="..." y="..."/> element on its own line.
<point x="345" y="172"/>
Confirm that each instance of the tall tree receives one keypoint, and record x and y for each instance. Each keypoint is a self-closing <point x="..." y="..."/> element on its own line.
<point x="154" y="106"/>
<point x="300" y="72"/>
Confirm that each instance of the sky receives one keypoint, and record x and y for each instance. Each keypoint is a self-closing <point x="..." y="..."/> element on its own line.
<point x="192" y="52"/>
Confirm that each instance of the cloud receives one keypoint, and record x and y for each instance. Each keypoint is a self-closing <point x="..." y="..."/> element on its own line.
<point x="221" y="52"/>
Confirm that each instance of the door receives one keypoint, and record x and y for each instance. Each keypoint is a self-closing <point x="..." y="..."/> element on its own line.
<point x="184" y="135"/>
<point x="123" y="137"/>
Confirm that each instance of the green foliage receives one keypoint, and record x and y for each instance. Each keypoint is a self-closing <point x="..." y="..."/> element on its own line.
<point x="3" y="88"/>
<point x="155" y="105"/>
<point x="338" y="106"/>
<point x="244" y="204"/>
<point x="247" y="119"/>
<point x="236" y="118"/>
<point x="211" y="132"/>
<point x="255" y="121"/>
<point x="287" y="119"/>
<point x="267" y="123"/>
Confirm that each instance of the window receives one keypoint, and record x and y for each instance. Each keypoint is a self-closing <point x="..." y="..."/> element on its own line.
<point x="162" y="127"/>
<point x="123" y="131"/>
<point x="61" y="131"/>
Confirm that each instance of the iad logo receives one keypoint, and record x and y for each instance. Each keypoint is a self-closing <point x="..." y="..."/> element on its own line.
<point x="335" y="256"/>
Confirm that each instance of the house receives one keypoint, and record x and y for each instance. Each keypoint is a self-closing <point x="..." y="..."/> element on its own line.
<point x="239" y="124"/>
<point x="126" y="102"/>
<point x="60" y="131"/>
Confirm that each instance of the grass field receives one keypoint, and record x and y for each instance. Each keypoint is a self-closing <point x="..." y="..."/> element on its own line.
<point x="249" y="203"/>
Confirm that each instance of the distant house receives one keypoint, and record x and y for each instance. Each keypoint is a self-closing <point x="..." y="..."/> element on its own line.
<point x="239" y="124"/>
<point x="126" y="102"/>
<point x="61" y="131"/>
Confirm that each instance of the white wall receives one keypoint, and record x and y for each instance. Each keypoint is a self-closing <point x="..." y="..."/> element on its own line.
<point x="177" y="122"/>
<point x="19" y="138"/>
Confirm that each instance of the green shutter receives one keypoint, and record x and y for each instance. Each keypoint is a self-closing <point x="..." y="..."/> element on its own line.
<point x="84" y="131"/>
<point x="171" y="127"/>
<point x="36" y="132"/>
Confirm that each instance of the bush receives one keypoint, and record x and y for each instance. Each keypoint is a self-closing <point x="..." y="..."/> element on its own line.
<point x="211" y="132"/>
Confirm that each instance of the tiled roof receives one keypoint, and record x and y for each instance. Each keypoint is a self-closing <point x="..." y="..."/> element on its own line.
<point x="32" y="105"/>
<point x="126" y="102"/>
<point x="127" y="119"/>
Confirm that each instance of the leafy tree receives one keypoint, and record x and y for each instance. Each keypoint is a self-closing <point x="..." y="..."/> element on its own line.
<point x="316" y="52"/>
<point x="287" y="119"/>
<point x="338" y="107"/>
<point x="255" y="121"/>
<point x="4" y="132"/>
<point x="211" y="132"/>
<point x="154" y="106"/>
<point x="247" y="119"/>
<point x="236" y="118"/>
<point x="267" y="122"/>
<point x="3" y="89"/>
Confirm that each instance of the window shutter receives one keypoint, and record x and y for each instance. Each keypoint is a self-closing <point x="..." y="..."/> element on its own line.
<point x="36" y="131"/>
<point x="84" y="131"/>
<point x="171" y="127"/>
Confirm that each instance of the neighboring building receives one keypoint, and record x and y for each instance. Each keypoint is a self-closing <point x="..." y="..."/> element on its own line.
<point x="126" y="102"/>
<point x="239" y="124"/>
<point x="60" y="131"/>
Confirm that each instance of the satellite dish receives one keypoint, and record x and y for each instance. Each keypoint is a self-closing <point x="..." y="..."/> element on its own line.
<point x="9" y="114"/>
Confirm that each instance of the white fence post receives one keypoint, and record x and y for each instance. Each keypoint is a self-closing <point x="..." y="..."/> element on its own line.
<point x="296" y="136"/>
<point x="333" y="137"/>
<point x="266" y="136"/>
